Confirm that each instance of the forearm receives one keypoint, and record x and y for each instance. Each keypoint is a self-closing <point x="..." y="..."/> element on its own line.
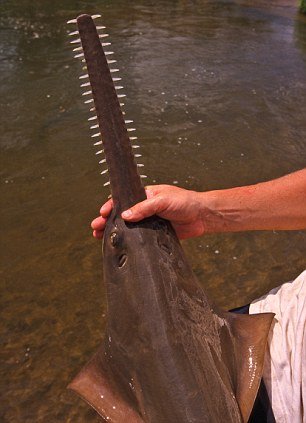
<point x="279" y="204"/>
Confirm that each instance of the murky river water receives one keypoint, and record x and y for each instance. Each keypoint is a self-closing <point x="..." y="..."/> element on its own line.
<point x="217" y="91"/>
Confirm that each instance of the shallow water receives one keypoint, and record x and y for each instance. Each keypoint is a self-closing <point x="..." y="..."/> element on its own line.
<point x="217" y="92"/>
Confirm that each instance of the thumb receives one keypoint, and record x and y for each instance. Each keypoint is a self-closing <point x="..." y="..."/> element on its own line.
<point x="143" y="209"/>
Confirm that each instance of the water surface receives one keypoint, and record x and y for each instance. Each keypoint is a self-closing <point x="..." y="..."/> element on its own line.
<point x="217" y="92"/>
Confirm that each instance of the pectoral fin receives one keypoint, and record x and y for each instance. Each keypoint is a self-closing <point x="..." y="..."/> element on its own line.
<point x="250" y="334"/>
<point x="95" y="386"/>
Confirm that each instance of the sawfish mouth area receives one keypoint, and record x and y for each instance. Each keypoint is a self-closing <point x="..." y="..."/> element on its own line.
<point x="214" y="89"/>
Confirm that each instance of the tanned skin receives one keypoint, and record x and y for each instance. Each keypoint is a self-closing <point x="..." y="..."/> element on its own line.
<point x="279" y="204"/>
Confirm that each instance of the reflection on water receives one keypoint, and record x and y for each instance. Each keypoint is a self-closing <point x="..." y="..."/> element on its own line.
<point x="216" y="91"/>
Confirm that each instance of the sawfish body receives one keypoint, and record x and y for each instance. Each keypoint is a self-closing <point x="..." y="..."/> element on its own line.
<point x="168" y="355"/>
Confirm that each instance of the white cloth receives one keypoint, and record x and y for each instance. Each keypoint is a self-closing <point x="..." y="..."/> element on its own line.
<point x="285" y="360"/>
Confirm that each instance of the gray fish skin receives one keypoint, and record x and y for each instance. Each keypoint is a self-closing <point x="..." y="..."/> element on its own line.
<point x="163" y="337"/>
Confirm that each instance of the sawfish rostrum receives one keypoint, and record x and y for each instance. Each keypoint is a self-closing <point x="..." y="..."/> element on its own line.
<point x="168" y="355"/>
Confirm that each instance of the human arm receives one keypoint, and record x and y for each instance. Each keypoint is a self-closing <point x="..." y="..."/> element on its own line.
<point x="279" y="204"/>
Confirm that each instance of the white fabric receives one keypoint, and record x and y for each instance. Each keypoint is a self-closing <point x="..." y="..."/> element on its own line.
<point x="285" y="360"/>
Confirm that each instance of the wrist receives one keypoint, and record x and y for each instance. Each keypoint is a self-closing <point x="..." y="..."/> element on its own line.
<point x="225" y="211"/>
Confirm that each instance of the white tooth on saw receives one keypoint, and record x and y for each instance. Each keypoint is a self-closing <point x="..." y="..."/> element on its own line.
<point x="131" y="129"/>
<point x="99" y="152"/>
<point x="87" y="92"/>
<point x="78" y="49"/>
<point x="92" y="118"/>
<point x="100" y="27"/>
<point x="76" y="56"/>
<point x="83" y="76"/>
<point x="95" y="16"/>
<point x="78" y="40"/>
<point x="96" y="135"/>
<point x="72" y="21"/>
<point x="137" y="155"/>
<point x="121" y="95"/>
<point x="86" y="84"/>
<point x="88" y="101"/>
<point x="106" y="44"/>
<point x="102" y="161"/>
<point x="118" y="87"/>
<point x="94" y="127"/>
<point x="103" y="35"/>
<point x="135" y="146"/>
<point x="98" y="143"/>
<point x="114" y="70"/>
<point x="111" y="61"/>
<point x="122" y="104"/>
<point x="107" y="53"/>
<point x="128" y="121"/>
<point x="84" y="67"/>
<point x="133" y="138"/>
<point x="143" y="176"/>
<point x="140" y="165"/>
<point x="103" y="172"/>
<point x="116" y="79"/>
<point x="106" y="183"/>
<point x="73" y="33"/>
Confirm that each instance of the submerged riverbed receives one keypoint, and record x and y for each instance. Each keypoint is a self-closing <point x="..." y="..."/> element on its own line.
<point x="217" y="93"/>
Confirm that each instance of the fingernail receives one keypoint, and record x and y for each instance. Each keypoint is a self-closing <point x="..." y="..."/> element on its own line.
<point x="126" y="214"/>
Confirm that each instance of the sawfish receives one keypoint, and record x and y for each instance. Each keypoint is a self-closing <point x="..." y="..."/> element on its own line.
<point x="169" y="355"/>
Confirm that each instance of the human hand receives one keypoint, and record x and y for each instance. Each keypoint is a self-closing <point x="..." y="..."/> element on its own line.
<point x="180" y="206"/>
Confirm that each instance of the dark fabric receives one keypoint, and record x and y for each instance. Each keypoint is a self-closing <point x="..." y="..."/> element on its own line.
<point x="241" y="310"/>
<point x="262" y="410"/>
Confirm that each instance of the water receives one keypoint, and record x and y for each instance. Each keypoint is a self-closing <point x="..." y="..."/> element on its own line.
<point x="217" y="92"/>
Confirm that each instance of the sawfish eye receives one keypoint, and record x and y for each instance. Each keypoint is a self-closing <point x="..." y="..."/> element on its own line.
<point x="114" y="239"/>
<point x="122" y="260"/>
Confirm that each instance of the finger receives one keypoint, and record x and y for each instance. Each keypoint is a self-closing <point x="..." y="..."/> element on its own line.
<point x="143" y="209"/>
<point x="106" y="208"/>
<point x="98" y="234"/>
<point x="152" y="190"/>
<point x="155" y="189"/>
<point x="98" y="223"/>
<point x="149" y="192"/>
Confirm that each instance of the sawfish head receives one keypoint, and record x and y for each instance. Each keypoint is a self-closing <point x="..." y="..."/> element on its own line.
<point x="131" y="254"/>
<point x="168" y="354"/>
